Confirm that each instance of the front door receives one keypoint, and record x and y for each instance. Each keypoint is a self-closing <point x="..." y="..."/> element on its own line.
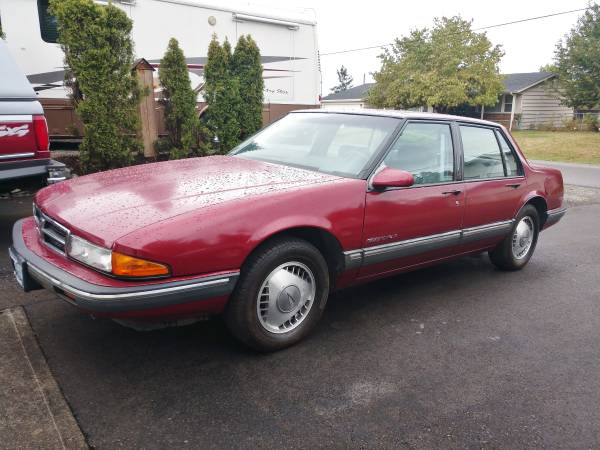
<point x="408" y="226"/>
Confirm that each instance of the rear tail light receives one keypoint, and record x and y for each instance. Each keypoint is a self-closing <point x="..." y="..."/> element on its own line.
<point x="40" y="128"/>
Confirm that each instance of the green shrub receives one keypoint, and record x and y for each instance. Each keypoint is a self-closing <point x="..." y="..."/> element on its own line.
<point x="99" y="53"/>
<point x="179" y="100"/>
<point x="247" y="68"/>
<point x="590" y="122"/>
<point x="222" y="95"/>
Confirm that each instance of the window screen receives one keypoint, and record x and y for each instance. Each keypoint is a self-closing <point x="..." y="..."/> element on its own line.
<point x="48" y="26"/>
<point x="481" y="152"/>
<point x="425" y="150"/>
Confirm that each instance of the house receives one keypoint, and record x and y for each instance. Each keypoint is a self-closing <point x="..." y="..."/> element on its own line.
<point x="528" y="101"/>
<point x="349" y="99"/>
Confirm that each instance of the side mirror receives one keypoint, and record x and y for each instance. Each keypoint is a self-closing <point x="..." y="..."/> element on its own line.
<point x="389" y="177"/>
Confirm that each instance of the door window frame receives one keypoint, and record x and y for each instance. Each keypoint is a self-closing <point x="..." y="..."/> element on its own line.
<point x="495" y="131"/>
<point x="457" y="155"/>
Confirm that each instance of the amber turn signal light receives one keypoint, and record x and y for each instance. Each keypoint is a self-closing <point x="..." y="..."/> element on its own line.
<point x="128" y="266"/>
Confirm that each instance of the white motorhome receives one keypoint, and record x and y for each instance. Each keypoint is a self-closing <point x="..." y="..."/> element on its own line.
<point x="287" y="42"/>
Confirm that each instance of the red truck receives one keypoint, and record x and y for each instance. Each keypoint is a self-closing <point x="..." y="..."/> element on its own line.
<point x="24" y="145"/>
<point x="319" y="200"/>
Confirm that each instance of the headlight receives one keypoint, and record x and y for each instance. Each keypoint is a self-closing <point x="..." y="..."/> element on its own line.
<point x="113" y="262"/>
<point x="89" y="254"/>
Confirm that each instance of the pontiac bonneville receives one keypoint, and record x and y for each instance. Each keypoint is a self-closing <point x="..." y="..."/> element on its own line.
<point x="318" y="201"/>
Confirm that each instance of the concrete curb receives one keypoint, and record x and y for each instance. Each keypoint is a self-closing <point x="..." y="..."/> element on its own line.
<point x="35" y="413"/>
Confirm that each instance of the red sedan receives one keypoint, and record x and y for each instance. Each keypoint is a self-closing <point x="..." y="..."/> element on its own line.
<point x="315" y="202"/>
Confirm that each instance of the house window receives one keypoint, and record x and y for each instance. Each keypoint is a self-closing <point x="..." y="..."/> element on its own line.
<point x="497" y="107"/>
<point x="48" y="26"/>
<point x="507" y="105"/>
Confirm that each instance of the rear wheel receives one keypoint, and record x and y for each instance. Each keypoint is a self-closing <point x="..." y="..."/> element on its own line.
<point x="515" y="251"/>
<point x="280" y="296"/>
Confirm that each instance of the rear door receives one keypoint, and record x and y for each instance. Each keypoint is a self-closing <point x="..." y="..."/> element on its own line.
<point x="408" y="226"/>
<point x="494" y="185"/>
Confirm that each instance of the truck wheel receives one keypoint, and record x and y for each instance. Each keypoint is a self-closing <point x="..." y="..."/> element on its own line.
<point x="280" y="296"/>
<point x="514" y="252"/>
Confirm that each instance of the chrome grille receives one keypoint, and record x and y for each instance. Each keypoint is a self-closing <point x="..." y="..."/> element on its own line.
<point x="52" y="233"/>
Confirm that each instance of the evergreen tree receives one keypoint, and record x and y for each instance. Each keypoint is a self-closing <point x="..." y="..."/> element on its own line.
<point x="247" y="67"/>
<point x="345" y="80"/>
<point x="98" y="51"/>
<point x="179" y="99"/>
<point x="222" y="95"/>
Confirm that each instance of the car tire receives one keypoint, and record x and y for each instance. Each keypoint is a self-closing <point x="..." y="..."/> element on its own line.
<point x="280" y="296"/>
<point x="515" y="251"/>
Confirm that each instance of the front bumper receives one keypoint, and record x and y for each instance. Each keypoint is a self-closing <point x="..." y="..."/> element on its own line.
<point x="36" y="273"/>
<point x="48" y="169"/>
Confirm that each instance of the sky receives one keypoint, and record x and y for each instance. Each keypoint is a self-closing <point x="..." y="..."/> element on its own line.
<point x="345" y="25"/>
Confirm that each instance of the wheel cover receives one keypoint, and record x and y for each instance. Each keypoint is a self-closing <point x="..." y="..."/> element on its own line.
<point x="286" y="297"/>
<point x="522" y="238"/>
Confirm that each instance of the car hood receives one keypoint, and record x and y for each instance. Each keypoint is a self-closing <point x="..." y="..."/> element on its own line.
<point x="108" y="205"/>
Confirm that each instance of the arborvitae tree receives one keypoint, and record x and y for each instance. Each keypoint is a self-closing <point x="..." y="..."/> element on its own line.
<point x="222" y="94"/>
<point x="247" y="68"/>
<point x="345" y="80"/>
<point x="179" y="99"/>
<point x="215" y="70"/>
<point x="98" y="51"/>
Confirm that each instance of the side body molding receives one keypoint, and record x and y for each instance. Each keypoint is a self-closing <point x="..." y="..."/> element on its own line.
<point x="379" y="253"/>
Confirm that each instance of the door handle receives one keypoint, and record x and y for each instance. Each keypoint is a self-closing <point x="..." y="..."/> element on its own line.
<point x="455" y="192"/>
<point x="514" y="185"/>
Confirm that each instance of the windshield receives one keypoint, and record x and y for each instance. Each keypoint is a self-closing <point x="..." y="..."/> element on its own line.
<point x="339" y="144"/>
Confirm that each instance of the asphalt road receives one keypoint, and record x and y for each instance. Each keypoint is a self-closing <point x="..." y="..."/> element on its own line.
<point x="587" y="175"/>
<point x="460" y="355"/>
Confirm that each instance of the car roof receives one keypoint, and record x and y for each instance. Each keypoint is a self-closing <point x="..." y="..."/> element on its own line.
<point x="399" y="114"/>
<point x="14" y="83"/>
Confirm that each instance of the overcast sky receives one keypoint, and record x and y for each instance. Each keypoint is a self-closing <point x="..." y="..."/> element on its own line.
<point x="344" y="24"/>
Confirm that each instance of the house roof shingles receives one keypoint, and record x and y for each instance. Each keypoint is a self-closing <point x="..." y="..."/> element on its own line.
<point x="354" y="93"/>
<point x="513" y="83"/>
<point x="516" y="82"/>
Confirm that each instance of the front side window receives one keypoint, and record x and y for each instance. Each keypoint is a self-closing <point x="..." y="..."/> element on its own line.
<point x="481" y="153"/>
<point x="48" y="25"/>
<point x="426" y="151"/>
<point x="340" y="144"/>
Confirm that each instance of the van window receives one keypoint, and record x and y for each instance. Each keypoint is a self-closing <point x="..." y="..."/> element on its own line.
<point x="48" y="26"/>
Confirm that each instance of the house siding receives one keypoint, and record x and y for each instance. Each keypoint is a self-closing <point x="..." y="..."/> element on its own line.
<point x="540" y="105"/>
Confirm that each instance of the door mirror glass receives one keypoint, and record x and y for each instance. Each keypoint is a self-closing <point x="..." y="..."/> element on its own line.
<point x="389" y="177"/>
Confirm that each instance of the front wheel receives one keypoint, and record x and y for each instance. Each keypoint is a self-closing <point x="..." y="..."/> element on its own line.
<point x="515" y="251"/>
<point x="280" y="296"/>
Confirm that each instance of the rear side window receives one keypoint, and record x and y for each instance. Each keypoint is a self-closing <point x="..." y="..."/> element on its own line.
<point x="48" y="26"/>
<point x="425" y="150"/>
<point x="481" y="153"/>
<point x="513" y="168"/>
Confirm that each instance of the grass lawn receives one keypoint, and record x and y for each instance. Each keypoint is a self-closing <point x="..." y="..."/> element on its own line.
<point x="566" y="146"/>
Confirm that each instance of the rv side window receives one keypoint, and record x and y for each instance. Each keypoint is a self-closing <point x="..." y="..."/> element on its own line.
<point x="48" y="28"/>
